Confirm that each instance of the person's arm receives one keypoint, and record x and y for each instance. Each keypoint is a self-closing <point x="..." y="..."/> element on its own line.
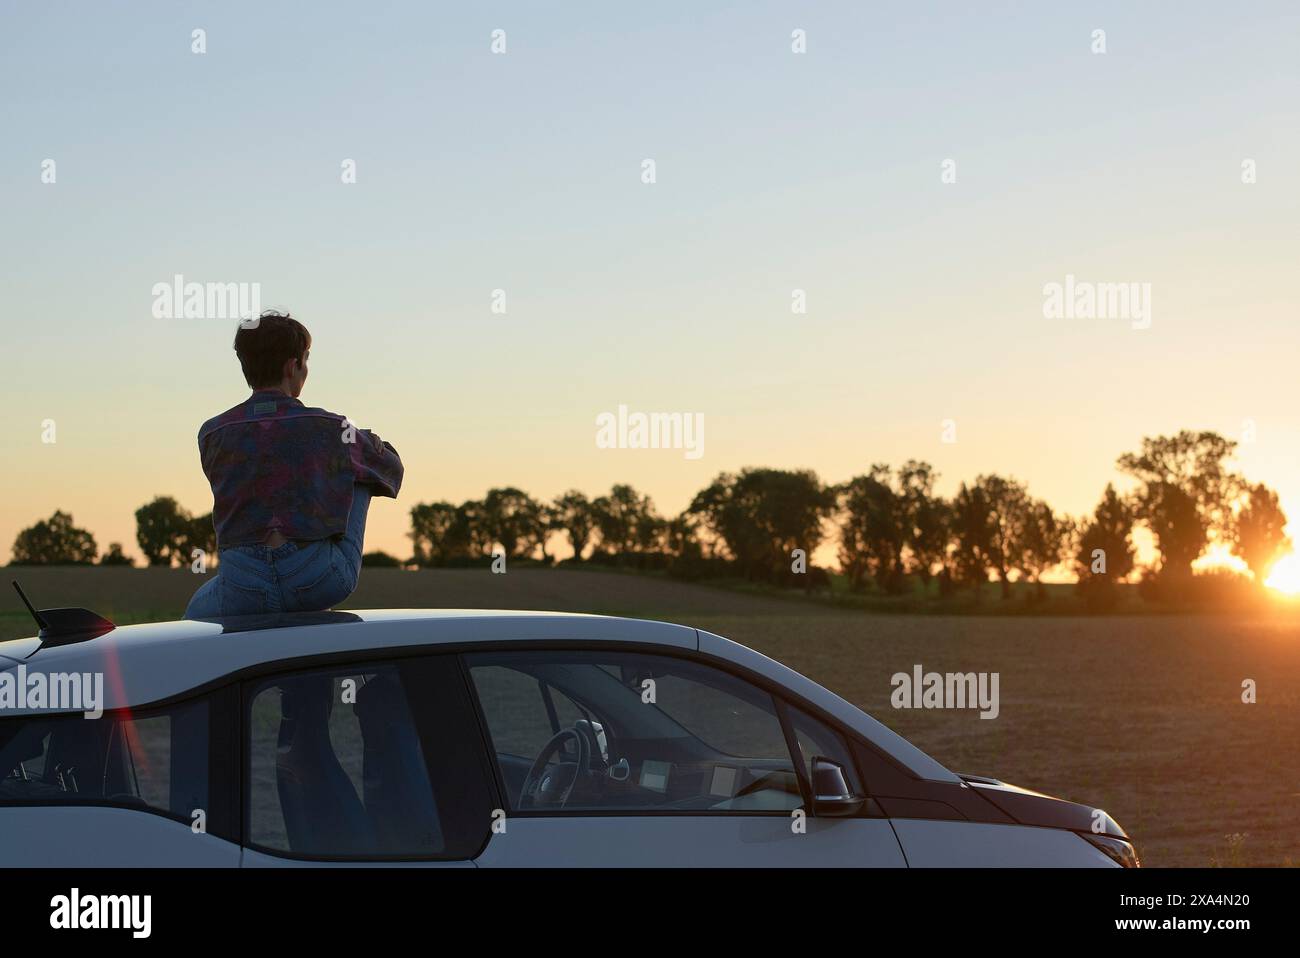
<point x="377" y="464"/>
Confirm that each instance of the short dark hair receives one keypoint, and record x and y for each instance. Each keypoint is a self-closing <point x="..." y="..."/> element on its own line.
<point x="267" y="343"/>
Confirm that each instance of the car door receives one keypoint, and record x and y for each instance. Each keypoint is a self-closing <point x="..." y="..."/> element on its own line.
<point x="613" y="757"/>
<point x="149" y="786"/>
<point x="368" y="762"/>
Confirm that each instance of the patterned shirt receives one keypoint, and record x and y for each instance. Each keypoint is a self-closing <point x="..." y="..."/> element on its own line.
<point x="276" y="464"/>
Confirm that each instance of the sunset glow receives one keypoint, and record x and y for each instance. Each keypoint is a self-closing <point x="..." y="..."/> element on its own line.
<point x="1285" y="575"/>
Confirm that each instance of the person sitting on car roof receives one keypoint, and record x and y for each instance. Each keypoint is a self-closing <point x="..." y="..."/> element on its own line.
<point x="291" y="485"/>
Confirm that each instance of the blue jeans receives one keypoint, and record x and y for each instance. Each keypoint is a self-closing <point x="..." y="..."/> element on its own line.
<point x="295" y="577"/>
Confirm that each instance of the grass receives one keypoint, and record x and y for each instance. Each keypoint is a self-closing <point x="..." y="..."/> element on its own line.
<point x="1140" y="715"/>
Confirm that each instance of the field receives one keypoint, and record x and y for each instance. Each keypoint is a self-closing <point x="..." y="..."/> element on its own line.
<point x="1139" y="715"/>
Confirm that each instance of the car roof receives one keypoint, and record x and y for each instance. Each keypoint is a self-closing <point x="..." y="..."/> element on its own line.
<point x="144" y="664"/>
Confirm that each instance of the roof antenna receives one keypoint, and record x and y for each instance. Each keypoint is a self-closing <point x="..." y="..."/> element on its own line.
<point x="40" y="621"/>
<point x="64" y="626"/>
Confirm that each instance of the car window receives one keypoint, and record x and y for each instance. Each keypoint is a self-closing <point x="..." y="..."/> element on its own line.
<point x="155" y="760"/>
<point x="726" y="721"/>
<point x="515" y="704"/>
<point x="816" y="739"/>
<point x="337" y="769"/>
<point x="661" y="733"/>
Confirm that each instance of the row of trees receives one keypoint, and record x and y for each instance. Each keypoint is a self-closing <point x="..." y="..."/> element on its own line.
<point x="165" y="532"/>
<point x="889" y="525"/>
<point x="621" y="524"/>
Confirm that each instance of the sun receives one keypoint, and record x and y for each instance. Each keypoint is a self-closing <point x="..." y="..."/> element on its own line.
<point x="1285" y="575"/>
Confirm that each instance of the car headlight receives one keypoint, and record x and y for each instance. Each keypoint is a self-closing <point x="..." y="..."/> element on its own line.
<point x="1118" y="849"/>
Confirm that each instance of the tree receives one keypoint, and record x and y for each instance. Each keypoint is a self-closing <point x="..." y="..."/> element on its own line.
<point x="429" y="524"/>
<point x="1186" y="494"/>
<point x="1260" y="536"/>
<point x="470" y="534"/>
<point x="681" y="536"/>
<point x="928" y="518"/>
<point x="1104" y="553"/>
<point x="163" y="529"/>
<point x="972" y="525"/>
<point x="1181" y="530"/>
<point x="724" y="511"/>
<point x="762" y="515"/>
<point x="651" y="532"/>
<point x="1008" y="506"/>
<point x="115" y="556"/>
<point x="54" y="541"/>
<point x="874" y="529"/>
<point x="511" y="517"/>
<point x="573" y="515"/>
<point x="546" y="523"/>
<point x="441" y="532"/>
<point x="1044" y="539"/>
<point x="619" y="517"/>
<point x="198" y="533"/>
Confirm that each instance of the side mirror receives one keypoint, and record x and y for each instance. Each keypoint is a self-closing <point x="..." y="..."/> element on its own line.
<point x="831" y="795"/>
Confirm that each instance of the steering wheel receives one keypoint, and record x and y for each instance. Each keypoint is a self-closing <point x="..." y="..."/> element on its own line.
<point x="543" y="789"/>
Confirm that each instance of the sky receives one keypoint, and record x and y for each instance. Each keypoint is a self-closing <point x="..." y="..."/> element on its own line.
<point x="524" y="171"/>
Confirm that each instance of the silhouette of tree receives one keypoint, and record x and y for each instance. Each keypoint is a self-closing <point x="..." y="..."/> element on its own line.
<point x="1104" y="552"/>
<point x="681" y="536"/>
<point x="162" y="530"/>
<point x="651" y="532"/>
<point x="874" y="529"/>
<point x="1186" y="495"/>
<point x="762" y="515"/>
<point x="723" y="510"/>
<point x="429" y="524"/>
<point x="472" y="526"/>
<point x="1044" y="539"/>
<point x="511" y="517"/>
<point x="572" y="514"/>
<point x="54" y="541"/>
<point x="1181" y="529"/>
<point x="928" y="519"/>
<point x="620" y="517"/>
<point x="441" y="532"/>
<point x="198" y="533"/>
<point x="115" y="556"/>
<point x="540" y="535"/>
<point x="973" y="530"/>
<point x="1259" y="534"/>
<point x="1008" y="505"/>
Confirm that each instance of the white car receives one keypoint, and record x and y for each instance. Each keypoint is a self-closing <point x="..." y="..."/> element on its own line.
<point x="476" y="738"/>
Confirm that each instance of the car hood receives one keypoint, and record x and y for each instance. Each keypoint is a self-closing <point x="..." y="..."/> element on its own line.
<point x="1035" y="808"/>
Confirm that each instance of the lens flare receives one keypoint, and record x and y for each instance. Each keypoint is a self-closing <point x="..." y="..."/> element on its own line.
<point x="1285" y="575"/>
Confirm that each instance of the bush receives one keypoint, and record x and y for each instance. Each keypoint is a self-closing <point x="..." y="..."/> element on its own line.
<point x="114" y="556"/>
